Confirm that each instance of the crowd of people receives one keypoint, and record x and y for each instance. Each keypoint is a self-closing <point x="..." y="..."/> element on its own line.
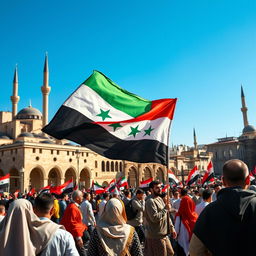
<point x="217" y="220"/>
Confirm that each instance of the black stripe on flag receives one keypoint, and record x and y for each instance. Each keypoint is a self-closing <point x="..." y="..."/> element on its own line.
<point x="71" y="124"/>
<point x="193" y="180"/>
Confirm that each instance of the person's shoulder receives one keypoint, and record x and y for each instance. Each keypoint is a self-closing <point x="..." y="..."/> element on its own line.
<point x="150" y="200"/>
<point x="60" y="232"/>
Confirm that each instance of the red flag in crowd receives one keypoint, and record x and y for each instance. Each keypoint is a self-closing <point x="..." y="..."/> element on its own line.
<point x="145" y="183"/>
<point x="209" y="174"/>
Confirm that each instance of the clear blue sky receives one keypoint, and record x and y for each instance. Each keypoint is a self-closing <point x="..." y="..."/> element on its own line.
<point x="198" y="51"/>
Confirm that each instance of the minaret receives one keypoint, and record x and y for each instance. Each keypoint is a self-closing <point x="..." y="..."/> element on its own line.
<point x="45" y="90"/>
<point x="15" y="98"/>
<point x="195" y="141"/>
<point x="244" y="108"/>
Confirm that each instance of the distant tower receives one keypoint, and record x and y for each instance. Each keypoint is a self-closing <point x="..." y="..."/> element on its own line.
<point x="15" y="98"/>
<point x="244" y="108"/>
<point x="45" y="90"/>
<point x="195" y="141"/>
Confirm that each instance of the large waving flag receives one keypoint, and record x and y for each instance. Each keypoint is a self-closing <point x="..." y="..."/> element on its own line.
<point x="193" y="176"/>
<point x="113" y="122"/>
<point x="209" y="174"/>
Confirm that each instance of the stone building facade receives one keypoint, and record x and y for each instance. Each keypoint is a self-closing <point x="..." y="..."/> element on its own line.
<point x="183" y="159"/>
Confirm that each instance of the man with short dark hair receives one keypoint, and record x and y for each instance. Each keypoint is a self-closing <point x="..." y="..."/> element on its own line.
<point x="62" y="242"/>
<point x="227" y="225"/>
<point x="87" y="211"/>
<point x="105" y="198"/>
<point x="127" y="197"/>
<point x="63" y="204"/>
<point x="207" y="198"/>
<point x="138" y="205"/>
<point x="158" y="224"/>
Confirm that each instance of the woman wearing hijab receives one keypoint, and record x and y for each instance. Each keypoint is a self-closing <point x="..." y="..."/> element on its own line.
<point x="22" y="232"/>
<point x="184" y="223"/>
<point x="112" y="236"/>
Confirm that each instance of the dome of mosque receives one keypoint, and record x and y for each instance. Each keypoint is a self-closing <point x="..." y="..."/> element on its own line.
<point x="29" y="113"/>
<point x="26" y="134"/>
<point x="249" y="128"/>
<point x="47" y="142"/>
<point x="4" y="136"/>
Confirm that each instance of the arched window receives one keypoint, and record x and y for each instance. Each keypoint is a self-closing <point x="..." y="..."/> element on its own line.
<point x="103" y="166"/>
<point x="112" y="167"/>
<point x="107" y="166"/>
<point x="116" y="166"/>
<point x="120" y="167"/>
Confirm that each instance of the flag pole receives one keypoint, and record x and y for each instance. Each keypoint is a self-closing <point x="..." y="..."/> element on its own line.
<point x="167" y="179"/>
<point x="167" y="164"/>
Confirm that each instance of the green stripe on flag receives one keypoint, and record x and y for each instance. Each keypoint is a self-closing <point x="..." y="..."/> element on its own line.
<point x="119" y="98"/>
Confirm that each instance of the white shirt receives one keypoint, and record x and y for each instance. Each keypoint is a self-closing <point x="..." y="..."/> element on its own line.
<point x="200" y="207"/>
<point x="88" y="216"/>
<point x="1" y="218"/>
<point x="61" y="244"/>
<point x="101" y="207"/>
<point x="176" y="204"/>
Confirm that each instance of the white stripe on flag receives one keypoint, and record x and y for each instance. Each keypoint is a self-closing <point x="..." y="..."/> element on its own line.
<point x="160" y="130"/>
<point x="89" y="103"/>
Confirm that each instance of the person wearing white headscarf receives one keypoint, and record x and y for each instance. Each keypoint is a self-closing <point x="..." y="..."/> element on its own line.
<point x="22" y="232"/>
<point x="112" y="236"/>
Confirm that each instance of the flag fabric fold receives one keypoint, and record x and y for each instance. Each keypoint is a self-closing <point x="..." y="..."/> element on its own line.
<point x="122" y="182"/>
<point x="45" y="189"/>
<point x="113" y="122"/>
<point x="97" y="189"/>
<point x="145" y="183"/>
<point x="172" y="178"/>
<point x="31" y="192"/>
<point x="5" y="181"/>
<point x="209" y="174"/>
<point x="67" y="187"/>
<point x="193" y="176"/>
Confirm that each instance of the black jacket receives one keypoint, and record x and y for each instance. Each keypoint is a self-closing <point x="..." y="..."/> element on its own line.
<point x="228" y="225"/>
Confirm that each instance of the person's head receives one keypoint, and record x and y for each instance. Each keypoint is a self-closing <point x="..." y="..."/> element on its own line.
<point x="155" y="188"/>
<point x="77" y="196"/>
<point x="105" y="196"/>
<point x="176" y="194"/>
<point x="217" y="188"/>
<point x="2" y="210"/>
<point x="235" y="173"/>
<point x="64" y="197"/>
<point x="114" y="213"/>
<point x="207" y="195"/>
<point x="140" y="194"/>
<point x="43" y="205"/>
<point x="127" y="193"/>
<point x="183" y="192"/>
<point x="196" y="193"/>
<point x="87" y="196"/>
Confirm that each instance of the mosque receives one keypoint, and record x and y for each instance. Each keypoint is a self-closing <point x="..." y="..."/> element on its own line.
<point x="35" y="160"/>
<point x="242" y="147"/>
